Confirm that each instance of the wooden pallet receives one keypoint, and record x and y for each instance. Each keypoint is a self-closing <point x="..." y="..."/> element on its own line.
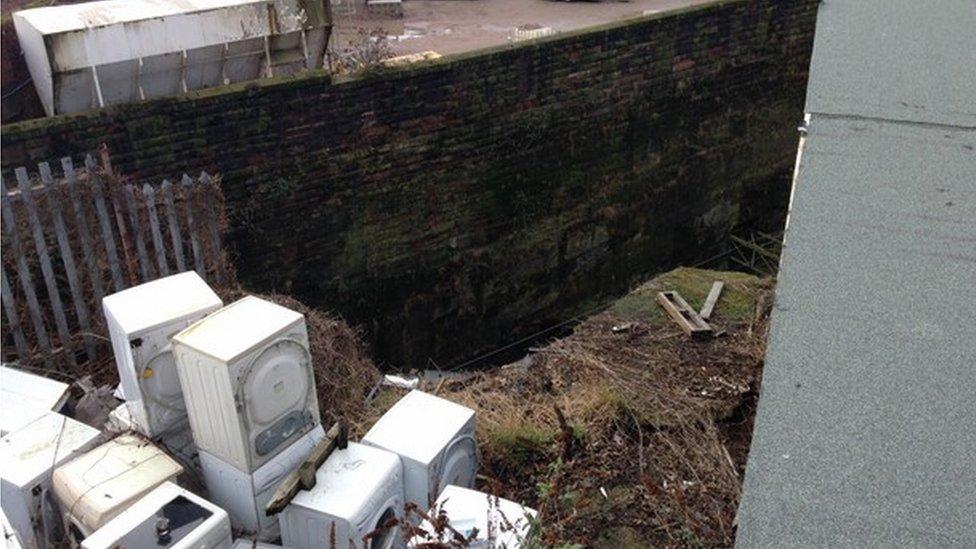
<point x="687" y="318"/>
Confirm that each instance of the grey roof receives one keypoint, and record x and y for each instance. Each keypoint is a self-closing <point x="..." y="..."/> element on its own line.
<point x="912" y="60"/>
<point x="866" y="429"/>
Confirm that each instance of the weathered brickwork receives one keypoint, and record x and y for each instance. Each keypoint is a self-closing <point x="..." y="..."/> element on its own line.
<point x="470" y="201"/>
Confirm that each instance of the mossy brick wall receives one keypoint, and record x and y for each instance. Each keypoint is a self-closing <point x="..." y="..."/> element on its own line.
<point x="464" y="203"/>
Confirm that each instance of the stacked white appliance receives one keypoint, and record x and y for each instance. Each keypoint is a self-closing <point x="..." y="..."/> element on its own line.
<point x="357" y="493"/>
<point x="141" y="320"/>
<point x="28" y="457"/>
<point x="167" y="517"/>
<point x="436" y="440"/>
<point x="249" y="388"/>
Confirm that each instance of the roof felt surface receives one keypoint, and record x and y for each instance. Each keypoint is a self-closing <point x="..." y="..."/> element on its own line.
<point x="865" y="430"/>
<point x="912" y="60"/>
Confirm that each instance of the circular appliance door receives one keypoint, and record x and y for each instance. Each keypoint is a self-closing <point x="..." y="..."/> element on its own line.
<point x="459" y="465"/>
<point x="160" y="382"/>
<point x="275" y="393"/>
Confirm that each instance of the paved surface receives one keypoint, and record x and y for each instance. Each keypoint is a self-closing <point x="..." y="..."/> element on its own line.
<point x="866" y="429"/>
<point x="453" y="26"/>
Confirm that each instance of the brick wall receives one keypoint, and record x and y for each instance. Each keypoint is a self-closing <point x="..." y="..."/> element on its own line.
<point x="473" y="200"/>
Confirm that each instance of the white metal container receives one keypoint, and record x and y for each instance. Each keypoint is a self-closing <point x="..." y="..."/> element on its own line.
<point x="141" y="320"/>
<point x="94" y="488"/>
<point x="357" y="490"/>
<point x="89" y="55"/>
<point x="247" y="378"/>
<point x="500" y="522"/>
<point x="169" y="517"/>
<point x="28" y="457"/>
<point x="11" y="539"/>
<point x="245" y="495"/>
<point x="436" y="439"/>
<point x="25" y="397"/>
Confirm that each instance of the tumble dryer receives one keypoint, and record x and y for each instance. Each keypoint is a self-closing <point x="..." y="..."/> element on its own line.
<point x="141" y="320"/>
<point x="357" y="491"/>
<point x="436" y="439"/>
<point x="248" y="382"/>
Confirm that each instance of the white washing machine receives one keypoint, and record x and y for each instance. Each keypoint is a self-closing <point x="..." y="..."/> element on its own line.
<point x="95" y="487"/>
<point x="357" y="490"/>
<point x="499" y="522"/>
<point x="25" y="397"/>
<point x="28" y="457"/>
<point x="436" y="439"/>
<point x="245" y="495"/>
<point x="141" y="320"/>
<point x="247" y="378"/>
<point x="167" y="517"/>
<point x="11" y="539"/>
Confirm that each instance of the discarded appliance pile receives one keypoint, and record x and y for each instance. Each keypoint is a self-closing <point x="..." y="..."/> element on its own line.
<point x="220" y="403"/>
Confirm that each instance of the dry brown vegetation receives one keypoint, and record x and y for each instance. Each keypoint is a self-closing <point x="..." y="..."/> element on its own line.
<point x="626" y="437"/>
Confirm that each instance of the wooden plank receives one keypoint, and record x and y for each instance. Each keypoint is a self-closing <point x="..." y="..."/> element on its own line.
<point x="682" y="313"/>
<point x="13" y="318"/>
<point x="149" y="195"/>
<point x="194" y="243"/>
<point x="214" y="229"/>
<point x="709" y="307"/>
<point x="23" y="273"/>
<point x="84" y="231"/>
<point x="137" y="233"/>
<point x="108" y="239"/>
<point x="174" y="227"/>
<point x="118" y="210"/>
<point x="67" y="257"/>
<point x="40" y="246"/>
<point x="303" y="478"/>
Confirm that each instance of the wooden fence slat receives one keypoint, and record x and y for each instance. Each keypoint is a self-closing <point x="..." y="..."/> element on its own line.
<point x="130" y="203"/>
<point x="214" y="230"/>
<point x="81" y="222"/>
<point x="67" y="257"/>
<point x="174" y="226"/>
<point x="60" y="321"/>
<point x="128" y="262"/>
<point x="108" y="239"/>
<point x="149" y="195"/>
<point x="188" y="201"/>
<point x="23" y="273"/>
<point x="13" y="318"/>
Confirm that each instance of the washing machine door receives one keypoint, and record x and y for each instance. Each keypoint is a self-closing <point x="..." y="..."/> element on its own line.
<point x="458" y="467"/>
<point x="275" y="392"/>
<point x="160" y="387"/>
<point x="381" y="537"/>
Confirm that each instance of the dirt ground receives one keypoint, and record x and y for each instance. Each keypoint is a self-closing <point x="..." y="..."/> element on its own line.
<point x="453" y="26"/>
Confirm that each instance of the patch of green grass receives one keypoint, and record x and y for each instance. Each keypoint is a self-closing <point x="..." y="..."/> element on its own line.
<point x="520" y="443"/>
<point x="737" y="302"/>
